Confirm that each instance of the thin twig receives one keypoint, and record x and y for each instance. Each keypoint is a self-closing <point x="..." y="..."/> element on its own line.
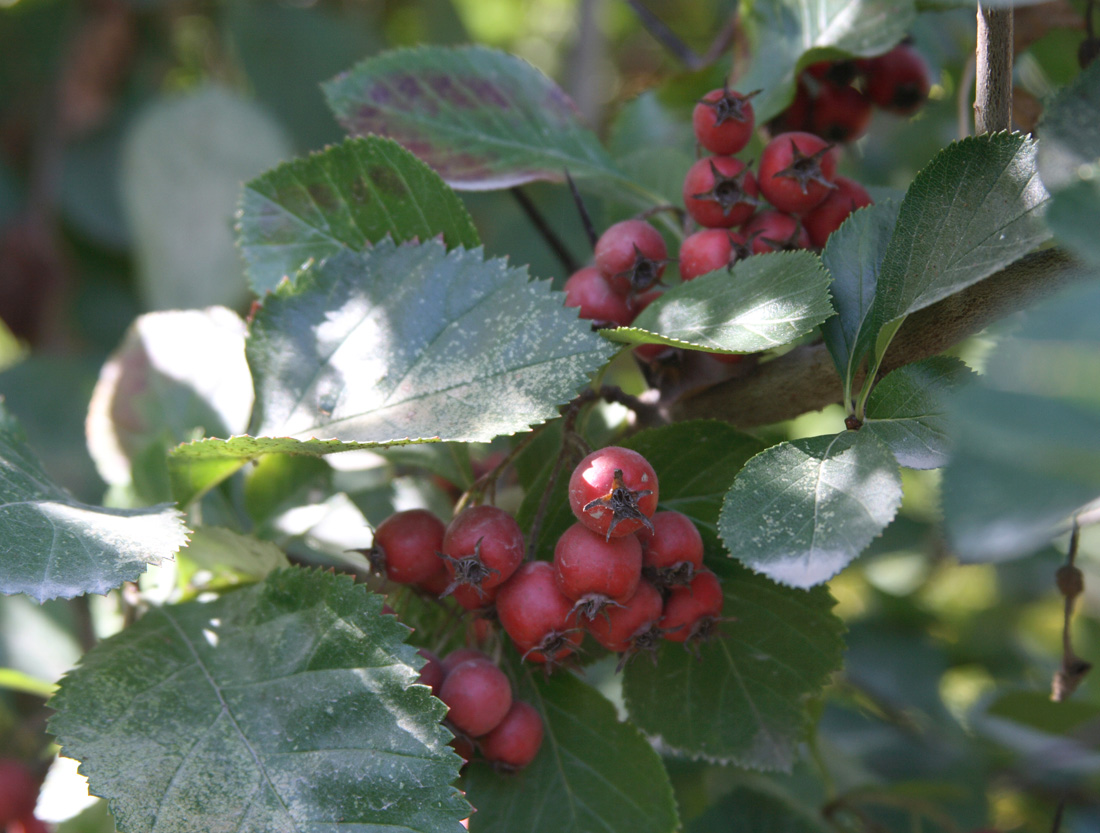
<point x="666" y="37"/>
<point x="582" y="210"/>
<point x="1071" y="583"/>
<point x="1058" y="817"/>
<point x="544" y="229"/>
<point x="993" y="93"/>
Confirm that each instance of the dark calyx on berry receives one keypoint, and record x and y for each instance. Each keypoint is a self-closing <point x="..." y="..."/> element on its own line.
<point x="728" y="191"/>
<point x="469" y="569"/>
<point x="806" y="169"/>
<point x="643" y="273"/>
<point x="623" y="503"/>
<point x="729" y="106"/>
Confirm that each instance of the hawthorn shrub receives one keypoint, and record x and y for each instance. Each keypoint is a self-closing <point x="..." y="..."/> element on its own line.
<point x="618" y="655"/>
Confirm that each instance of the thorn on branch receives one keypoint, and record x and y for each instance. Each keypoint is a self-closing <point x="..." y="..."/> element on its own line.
<point x="582" y="210"/>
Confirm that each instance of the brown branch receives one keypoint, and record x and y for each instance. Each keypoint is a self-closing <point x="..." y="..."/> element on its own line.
<point x="805" y="379"/>
<point x="1071" y="584"/>
<point x="993" y="95"/>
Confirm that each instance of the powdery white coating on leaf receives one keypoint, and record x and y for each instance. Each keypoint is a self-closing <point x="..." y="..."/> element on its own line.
<point x="801" y="511"/>
<point x="288" y="705"/>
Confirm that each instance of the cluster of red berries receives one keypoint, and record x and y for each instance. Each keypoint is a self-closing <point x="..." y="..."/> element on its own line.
<point x="835" y="99"/>
<point x="18" y="795"/>
<point x="625" y="573"/>
<point x="481" y="712"/>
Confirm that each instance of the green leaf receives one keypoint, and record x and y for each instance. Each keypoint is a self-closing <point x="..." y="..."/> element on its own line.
<point x="347" y="196"/>
<point x="402" y="344"/>
<point x="801" y="511"/>
<point x="907" y="410"/>
<point x="785" y="30"/>
<point x="761" y="810"/>
<point x="221" y="550"/>
<point x="853" y="255"/>
<point x="1068" y="162"/>
<point x="973" y="210"/>
<point x="743" y="700"/>
<point x="1036" y="710"/>
<point x="482" y="119"/>
<point x="769" y="300"/>
<point x="286" y="705"/>
<point x="182" y="165"/>
<point x="52" y="546"/>
<point x="1028" y="433"/>
<point x="592" y="771"/>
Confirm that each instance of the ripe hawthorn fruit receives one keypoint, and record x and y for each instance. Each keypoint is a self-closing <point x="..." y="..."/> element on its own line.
<point x="720" y="192"/>
<point x="515" y="742"/>
<point x="723" y="121"/>
<point x="775" y="231"/>
<point x="595" y="571"/>
<point x="537" y="616"/>
<point x="632" y="256"/>
<point x="898" y="81"/>
<point x="631" y="627"/>
<point x="460" y="655"/>
<point x="478" y="695"/>
<point x="474" y="598"/>
<point x="673" y="552"/>
<point x="613" y="491"/>
<point x="827" y="217"/>
<point x="432" y="672"/>
<point x="406" y="546"/>
<point x="796" y="171"/>
<point x="18" y="790"/>
<point x="710" y="250"/>
<point x="588" y="289"/>
<point x="482" y="547"/>
<point x="692" y="611"/>
<point x="840" y="113"/>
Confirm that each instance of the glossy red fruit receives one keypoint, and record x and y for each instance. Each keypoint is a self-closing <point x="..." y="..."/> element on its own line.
<point x="710" y="250"/>
<point x="633" y="626"/>
<point x="460" y="655"/>
<point x="474" y="598"/>
<point x="406" y="546"/>
<point x="515" y="742"/>
<point x="723" y="121"/>
<point x="692" y="611"/>
<point x="537" y="615"/>
<point x="595" y="571"/>
<point x="775" y="231"/>
<point x="796" y="171"/>
<point x="799" y="112"/>
<point x="720" y="192"/>
<point x="632" y="256"/>
<point x="437" y="584"/>
<point x="588" y="289"/>
<point x="478" y="695"/>
<point x="835" y="72"/>
<point x="18" y="790"/>
<point x="673" y="551"/>
<point x="613" y="491"/>
<point x="432" y="672"/>
<point x="482" y="547"/>
<point x="827" y="217"/>
<point x="898" y="81"/>
<point x="841" y="113"/>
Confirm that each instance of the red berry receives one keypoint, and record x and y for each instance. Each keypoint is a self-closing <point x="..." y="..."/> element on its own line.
<point x="483" y="546"/>
<point x="613" y="491"/>
<point x="692" y="611"/>
<point x="474" y="598"/>
<point x="537" y="615"/>
<point x="720" y="192"/>
<point x="18" y="790"/>
<point x="437" y="584"/>
<point x="796" y="171"/>
<point x="841" y="113"/>
<point x="710" y="250"/>
<point x="899" y="80"/>
<point x="723" y="121"/>
<point x="406" y="546"/>
<point x="598" y="302"/>
<point x="673" y="551"/>
<point x="775" y="231"/>
<point x="478" y="695"/>
<point x="631" y="255"/>
<point x="633" y="626"/>
<point x="799" y="112"/>
<point x="841" y="73"/>
<point x="595" y="571"/>
<point x="460" y="655"/>
<point x="514" y="743"/>
<point x="827" y="217"/>
<point x="432" y="672"/>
